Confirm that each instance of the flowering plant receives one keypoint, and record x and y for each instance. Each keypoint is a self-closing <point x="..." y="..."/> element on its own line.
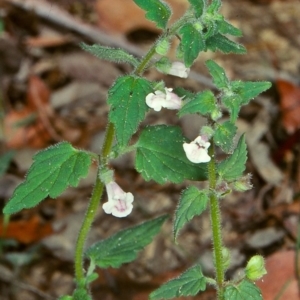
<point x="162" y="153"/>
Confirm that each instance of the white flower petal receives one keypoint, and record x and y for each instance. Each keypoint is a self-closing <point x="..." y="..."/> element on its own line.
<point x="179" y="69"/>
<point x="156" y="100"/>
<point x="196" y="151"/>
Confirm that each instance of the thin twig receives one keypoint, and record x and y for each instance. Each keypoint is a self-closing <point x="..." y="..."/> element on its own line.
<point x="56" y="15"/>
<point x="52" y="13"/>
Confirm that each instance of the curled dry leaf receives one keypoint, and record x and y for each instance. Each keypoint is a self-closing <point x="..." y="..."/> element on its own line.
<point x="26" y="231"/>
<point x="289" y="104"/>
<point x="30" y="126"/>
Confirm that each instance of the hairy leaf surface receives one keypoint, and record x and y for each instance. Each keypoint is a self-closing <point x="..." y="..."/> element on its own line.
<point x="192" y="203"/>
<point x="188" y="283"/>
<point x="127" y="98"/>
<point x="124" y="246"/>
<point x="52" y="171"/>
<point x="156" y="10"/>
<point x="160" y="156"/>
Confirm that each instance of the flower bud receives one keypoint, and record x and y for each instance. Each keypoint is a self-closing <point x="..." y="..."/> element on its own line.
<point x="255" y="268"/>
<point x="243" y="184"/>
<point x="222" y="189"/>
<point x="162" y="47"/>
<point x="216" y="114"/>
<point x="207" y="131"/>
<point x="198" y="26"/>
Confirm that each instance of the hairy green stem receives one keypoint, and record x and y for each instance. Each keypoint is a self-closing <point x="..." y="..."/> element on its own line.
<point x="215" y="216"/>
<point x="168" y="34"/>
<point x="92" y="207"/>
<point x="98" y="188"/>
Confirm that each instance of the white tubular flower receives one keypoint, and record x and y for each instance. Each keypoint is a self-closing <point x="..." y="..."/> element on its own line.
<point x="119" y="203"/>
<point x="173" y="101"/>
<point x="196" y="151"/>
<point x="158" y="99"/>
<point x="179" y="69"/>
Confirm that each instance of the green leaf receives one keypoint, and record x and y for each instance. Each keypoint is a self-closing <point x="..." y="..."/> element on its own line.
<point x="214" y="6"/>
<point x="188" y="283"/>
<point x="192" y="203"/>
<point x="157" y="11"/>
<point x="233" y="167"/>
<point x="203" y="103"/>
<point x="248" y="90"/>
<point x="218" y="75"/>
<point x="240" y="93"/>
<point x="124" y="246"/>
<point x="181" y="92"/>
<point x="222" y="43"/>
<point x="233" y="103"/>
<point x="110" y="54"/>
<point x="160" y="156"/>
<point x="198" y="6"/>
<point x="191" y="43"/>
<point x="52" y="171"/>
<point x="226" y="28"/>
<point x="5" y="160"/>
<point x="127" y="98"/>
<point x="224" y="135"/>
<point x="245" y="290"/>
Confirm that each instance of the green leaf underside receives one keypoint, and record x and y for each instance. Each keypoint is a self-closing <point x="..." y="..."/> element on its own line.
<point x="192" y="203"/>
<point x="224" y="135"/>
<point x="202" y="103"/>
<point x="191" y="43"/>
<point x="218" y="75"/>
<point x="157" y="11"/>
<point x="233" y="103"/>
<point x="214" y="6"/>
<point x="241" y="93"/>
<point x="225" y="45"/>
<point x="52" y="171"/>
<point x="160" y="156"/>
<point x="188" y="283"/>
<point x="127" y="98"/>
<point x="110" y="54"/>
<point x="233" y="167"/>
<point x="124" y="246"/>
<point x="198" y="6"/>
<point x="246" y="290"/>
<point x="248" y="90"/>
<point x="226" y="28"/>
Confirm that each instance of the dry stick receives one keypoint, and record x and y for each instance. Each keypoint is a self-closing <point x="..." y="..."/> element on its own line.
<point x="54" y="14"/>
